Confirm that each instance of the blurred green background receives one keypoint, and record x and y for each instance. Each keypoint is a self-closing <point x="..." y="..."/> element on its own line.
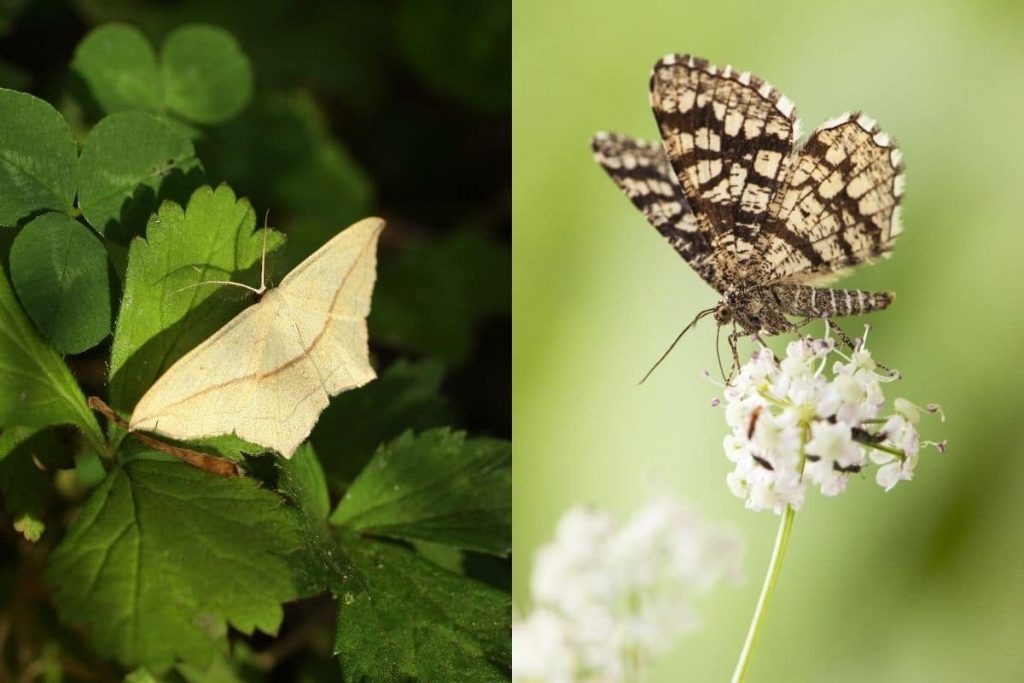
<point x="920" y="584"/>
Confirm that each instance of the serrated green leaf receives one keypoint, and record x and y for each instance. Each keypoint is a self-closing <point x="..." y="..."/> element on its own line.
<point x="405" y="396"/>
<point x="301" y="481"/>
<point x="118" y="66"/>
<point x="38" y="158"/>
<point x="207" y="78"/>
<point x="130" y="162"/>
<point x="59" y="269"/>
<point x="163" y="314"/>
<point x="36" y="387"/>
<point x="436" y="487"/>
<point x="162" y="555"/>
<point x="401" y="618"/>
<point x="431" y="296"/>
<point x="229" y="446"/>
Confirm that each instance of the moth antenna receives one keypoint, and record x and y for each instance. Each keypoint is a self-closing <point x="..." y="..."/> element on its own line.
<point x="221" y="282"/>
<point x="263" y="255"/>
<point x="673" y="344"/>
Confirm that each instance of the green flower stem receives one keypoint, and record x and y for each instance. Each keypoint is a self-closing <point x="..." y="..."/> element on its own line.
<point x="767" y="590"/>
<point x="887" y="449"/>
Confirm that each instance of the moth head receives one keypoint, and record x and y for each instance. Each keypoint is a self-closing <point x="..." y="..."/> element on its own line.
<point x="723" y="313"/>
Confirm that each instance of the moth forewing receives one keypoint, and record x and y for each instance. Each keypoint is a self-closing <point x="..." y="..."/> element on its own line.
<point x="269" y="372"/>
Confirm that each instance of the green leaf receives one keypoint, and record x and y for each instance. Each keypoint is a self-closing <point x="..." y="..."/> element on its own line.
<point x="229" y="446"/>
<point x="436" y="487"/>
<point x="301" y="481"/>
<point x="207" y="77"/>
<point x="164" y="555"/>
<point x="118" y="66"/>
<point x="401" y="617"/>
<point x="460" y="49"/>
<point x="163" y="314"/>
<point x="59" y="269"/>
<point x="36" y="388"/>
<point x="130" y="162"/>
<point x="38" y="158"/>
<point x="431" y="296"/>
<point x="406" y="396"/>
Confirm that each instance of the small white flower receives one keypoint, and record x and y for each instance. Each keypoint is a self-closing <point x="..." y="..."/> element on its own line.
<point x="900" y="431"/>
<point x="541" y="650"/>
<point x="608" y="595"/>
<point x="793" y="425"/>
<point x="833" y="443"/>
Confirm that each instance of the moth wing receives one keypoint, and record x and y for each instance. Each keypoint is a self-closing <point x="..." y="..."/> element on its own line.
<point x="729" y="136"/>
<point x="641" y="170"/>
<point x="269" y="372"/>
<point x="839" y="206"/>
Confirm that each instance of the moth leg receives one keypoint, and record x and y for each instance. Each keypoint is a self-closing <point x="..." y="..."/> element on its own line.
<point x="853" y="347"/>
<point x="834" y="326"/>
<point x="734" y="337"/>
<point x="718" y="351"/>
<point x="803" y="321"/>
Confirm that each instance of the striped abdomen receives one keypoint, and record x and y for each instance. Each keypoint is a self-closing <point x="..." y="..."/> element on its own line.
<point x="827" y="303"/>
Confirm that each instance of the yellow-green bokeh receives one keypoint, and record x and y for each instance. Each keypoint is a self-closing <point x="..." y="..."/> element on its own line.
<point x="920" y="584"/>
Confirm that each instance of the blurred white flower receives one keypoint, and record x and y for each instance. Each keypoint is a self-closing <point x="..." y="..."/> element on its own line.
<point x="793" y="425"/>
<point x="607" y="597"/>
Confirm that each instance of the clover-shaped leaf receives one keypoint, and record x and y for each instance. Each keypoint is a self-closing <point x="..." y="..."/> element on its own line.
<point x="202" y="74"/>
<point x="207" y="77"/>
<point x="119" y="67"/>
<point x="38" y="158"/>
<point x="130" y="162"/>
<point x="59" y="269"/>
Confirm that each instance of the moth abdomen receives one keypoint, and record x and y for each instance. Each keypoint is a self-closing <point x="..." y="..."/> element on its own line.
<point x="823" y="302"/>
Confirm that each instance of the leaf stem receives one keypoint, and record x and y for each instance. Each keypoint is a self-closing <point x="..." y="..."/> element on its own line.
<point x="771" y="579"/>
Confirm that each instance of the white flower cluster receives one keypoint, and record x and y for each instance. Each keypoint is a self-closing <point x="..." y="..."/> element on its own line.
<point x="607" y="597"/>
<point x="793" y="425"/>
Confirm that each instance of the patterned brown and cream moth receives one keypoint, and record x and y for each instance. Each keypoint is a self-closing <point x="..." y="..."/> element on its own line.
<point x="759" y="218"/>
